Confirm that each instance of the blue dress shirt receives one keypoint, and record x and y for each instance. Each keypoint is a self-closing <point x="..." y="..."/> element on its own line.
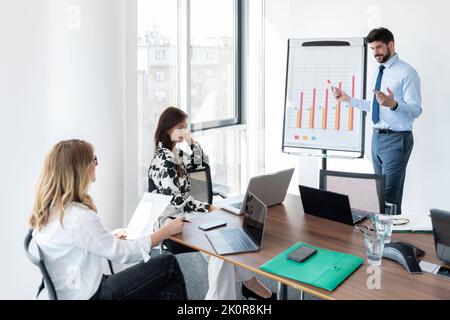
<point x="404" y="82"/>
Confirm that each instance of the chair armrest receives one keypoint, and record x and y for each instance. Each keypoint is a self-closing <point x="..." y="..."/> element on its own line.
<point x="392" y="208"/>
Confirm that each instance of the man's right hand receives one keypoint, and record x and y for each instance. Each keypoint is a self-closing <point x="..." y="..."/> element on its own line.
<point x="340" y="95"/>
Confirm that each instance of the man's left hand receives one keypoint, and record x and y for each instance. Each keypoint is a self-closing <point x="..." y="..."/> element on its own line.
<point x="386" y="100"/>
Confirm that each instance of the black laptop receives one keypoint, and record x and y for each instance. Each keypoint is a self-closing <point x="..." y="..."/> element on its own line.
<point x="440" y="220"/>
<point x="247" y="238"/>
<point x="330" y="205"/>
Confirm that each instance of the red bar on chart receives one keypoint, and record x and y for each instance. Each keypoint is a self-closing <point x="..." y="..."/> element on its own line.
<point x="351" y="111"/>
<point x="325" y="111"/>
<point x="300" y="113"/>
<point x="312" y="111"/>
<point x="338" y="112"/>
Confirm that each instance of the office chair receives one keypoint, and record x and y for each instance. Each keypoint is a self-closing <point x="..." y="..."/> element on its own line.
<point x="39" y="262"/>
<point x="201" y="184"/>
<point x="201" y="190"/>
<point x="365" y="191"/>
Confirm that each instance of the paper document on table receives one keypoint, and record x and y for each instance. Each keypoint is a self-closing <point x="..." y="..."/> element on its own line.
<point x="150" y="208"/>
<point x="416" y="223"/>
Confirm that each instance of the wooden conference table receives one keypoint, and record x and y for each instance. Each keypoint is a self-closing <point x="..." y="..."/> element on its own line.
<point x="287" y="224"/>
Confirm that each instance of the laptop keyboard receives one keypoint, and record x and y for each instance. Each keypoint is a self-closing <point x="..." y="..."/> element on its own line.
<point x="237" y="205"/>
<point x="236" y="239"/>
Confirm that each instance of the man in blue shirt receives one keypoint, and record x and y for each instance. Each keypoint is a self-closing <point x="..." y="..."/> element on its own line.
<point x="396" y="104"/>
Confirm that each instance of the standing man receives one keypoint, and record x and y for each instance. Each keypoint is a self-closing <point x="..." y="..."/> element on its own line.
<point x="395" y="106"/>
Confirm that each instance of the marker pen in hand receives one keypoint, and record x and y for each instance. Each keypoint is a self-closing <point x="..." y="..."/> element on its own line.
<point x="330" y="86"/>
<point x="334" y="90"/>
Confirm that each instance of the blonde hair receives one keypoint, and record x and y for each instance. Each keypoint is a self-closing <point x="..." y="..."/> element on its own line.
<point x="64" y="179"/>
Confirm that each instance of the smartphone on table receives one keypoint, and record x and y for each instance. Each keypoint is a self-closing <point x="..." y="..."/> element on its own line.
<point x="301" y="254"/>
<point x="211" y="225"/>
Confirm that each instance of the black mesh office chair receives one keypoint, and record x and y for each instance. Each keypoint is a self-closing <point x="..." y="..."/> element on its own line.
<point x="201" y="184"/>
<point x="201" y="190"/>
<point x="39" y="262"/>
<point x="365" y="191"/>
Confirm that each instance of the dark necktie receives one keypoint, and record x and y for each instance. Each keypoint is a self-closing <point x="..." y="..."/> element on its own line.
<point x="376" y="105"/>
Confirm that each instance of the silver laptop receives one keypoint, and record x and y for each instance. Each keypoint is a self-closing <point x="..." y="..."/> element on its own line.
<point x="271" y="189"/>
<point x="247" y="238"/>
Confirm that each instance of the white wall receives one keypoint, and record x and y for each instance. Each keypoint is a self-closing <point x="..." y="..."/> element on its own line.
<point x="420" y="28"/>
<point x="278" y="30"/>
<point x="131" y="172"/>
<point x="62" y="76"/>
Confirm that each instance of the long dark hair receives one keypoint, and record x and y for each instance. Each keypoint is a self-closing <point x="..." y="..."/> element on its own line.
<point x="168" y="119"/>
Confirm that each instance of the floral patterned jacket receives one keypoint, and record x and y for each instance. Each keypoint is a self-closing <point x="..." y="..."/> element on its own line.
<point x="164" y="178"/>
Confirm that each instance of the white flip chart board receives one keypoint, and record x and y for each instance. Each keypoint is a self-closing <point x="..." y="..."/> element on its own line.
<point x="313" y="118"/>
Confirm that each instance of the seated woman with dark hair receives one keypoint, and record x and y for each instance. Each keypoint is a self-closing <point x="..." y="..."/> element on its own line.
<point x="168" y="175"/>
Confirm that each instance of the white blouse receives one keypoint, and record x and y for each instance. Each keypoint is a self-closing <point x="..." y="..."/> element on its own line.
<point x="73" y="251"/>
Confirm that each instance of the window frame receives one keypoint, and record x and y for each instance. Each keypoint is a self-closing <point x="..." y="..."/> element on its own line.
<point x="226" y="122"/>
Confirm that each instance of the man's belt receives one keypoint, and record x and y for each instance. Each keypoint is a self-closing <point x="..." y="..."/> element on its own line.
<point x="388" y="131"/>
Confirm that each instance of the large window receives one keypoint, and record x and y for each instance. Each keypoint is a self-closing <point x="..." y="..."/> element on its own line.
<point x="189" y="56"/>
<point x="157" y="72"/>
<point x="214" y="69"/>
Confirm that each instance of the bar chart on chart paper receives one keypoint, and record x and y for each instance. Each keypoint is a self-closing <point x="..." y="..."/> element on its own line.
<point x="317" y="109"/>
<point x="313" y="117"/>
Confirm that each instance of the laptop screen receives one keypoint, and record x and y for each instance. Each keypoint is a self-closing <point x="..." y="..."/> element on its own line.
<point x="254" y="218"/>
<point x="440" y="220"/>
<point x="326" y="204"/>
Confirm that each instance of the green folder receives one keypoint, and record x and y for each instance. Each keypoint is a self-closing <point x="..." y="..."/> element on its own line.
<point x="326" y="269"/>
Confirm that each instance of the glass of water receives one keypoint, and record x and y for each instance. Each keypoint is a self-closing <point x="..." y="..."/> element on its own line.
<point x="383" y="224"/>
<point x="374" y="243"/>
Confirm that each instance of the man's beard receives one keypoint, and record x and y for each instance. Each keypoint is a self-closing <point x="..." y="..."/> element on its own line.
<point x="385" y="57"/>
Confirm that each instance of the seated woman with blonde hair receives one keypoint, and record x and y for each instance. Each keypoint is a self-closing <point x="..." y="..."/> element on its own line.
<point x="74" y="241"/>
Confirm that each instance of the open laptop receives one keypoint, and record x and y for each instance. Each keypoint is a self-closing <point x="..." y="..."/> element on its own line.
<point x="271" y="189"/>
<point x="247" y="238"/>
<point x="330" y="205"/>
<point x="440" y="220"/>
